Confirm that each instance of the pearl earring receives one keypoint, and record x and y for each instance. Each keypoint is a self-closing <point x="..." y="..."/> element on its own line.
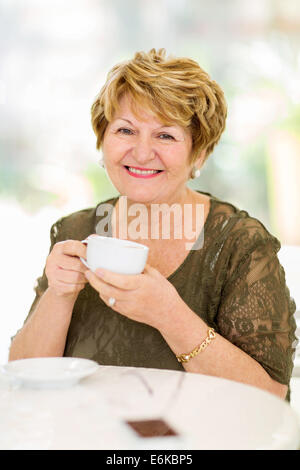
<point x="195" y="173"/>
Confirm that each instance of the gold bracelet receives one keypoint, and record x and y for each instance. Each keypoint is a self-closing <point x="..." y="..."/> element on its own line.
<point x="186" y="357"/>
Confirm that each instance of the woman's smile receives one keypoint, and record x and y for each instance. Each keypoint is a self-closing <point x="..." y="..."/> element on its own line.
<point x="138" y="172"/>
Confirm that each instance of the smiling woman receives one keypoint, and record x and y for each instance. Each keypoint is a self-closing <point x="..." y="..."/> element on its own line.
<point x="143" y="150"/>
<point x="215" y="303"/>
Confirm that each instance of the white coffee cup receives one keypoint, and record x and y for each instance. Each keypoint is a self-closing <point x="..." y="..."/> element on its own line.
<point x="113" y="254"/>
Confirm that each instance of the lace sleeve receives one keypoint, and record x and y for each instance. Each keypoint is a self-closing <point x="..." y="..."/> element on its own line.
<point x="256" y="312"/>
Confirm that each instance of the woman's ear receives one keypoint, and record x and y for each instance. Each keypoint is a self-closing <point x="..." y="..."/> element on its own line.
<point x="197" y="164"/>
<point x="200" y="160"/>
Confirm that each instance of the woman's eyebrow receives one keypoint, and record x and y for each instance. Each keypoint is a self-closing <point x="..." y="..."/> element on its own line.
<point x="123" y="119"/>
<point x="159" y="127"/>
<point x="169" y="127"/>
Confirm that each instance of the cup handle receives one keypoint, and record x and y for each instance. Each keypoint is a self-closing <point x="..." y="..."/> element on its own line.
<point x="85" y="241"/>
<point x="84" y="262"/>
<point x="82" y="259"/>
<point x="88" y="237"/>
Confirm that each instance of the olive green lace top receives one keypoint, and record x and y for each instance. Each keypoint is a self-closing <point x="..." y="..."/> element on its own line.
<point x="234" y="283"/>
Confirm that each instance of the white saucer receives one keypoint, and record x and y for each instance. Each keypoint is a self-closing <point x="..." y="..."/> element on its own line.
<point x="49" y="372"/>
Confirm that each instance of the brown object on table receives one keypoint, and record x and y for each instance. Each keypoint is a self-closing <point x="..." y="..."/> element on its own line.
<point x="152" y="428"/>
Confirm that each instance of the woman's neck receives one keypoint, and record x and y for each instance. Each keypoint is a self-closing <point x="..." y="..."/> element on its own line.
<point x="149" y="222"/>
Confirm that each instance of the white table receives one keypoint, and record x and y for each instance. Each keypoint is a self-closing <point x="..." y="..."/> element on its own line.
<point x="207" y="412"/>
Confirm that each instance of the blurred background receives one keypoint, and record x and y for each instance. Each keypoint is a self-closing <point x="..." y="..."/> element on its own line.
<point x="54" y="59"/>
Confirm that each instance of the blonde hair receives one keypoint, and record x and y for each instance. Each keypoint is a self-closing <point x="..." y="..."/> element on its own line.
<point x="176" y="90"/>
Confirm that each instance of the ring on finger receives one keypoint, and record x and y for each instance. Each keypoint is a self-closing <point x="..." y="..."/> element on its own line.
<point x="111" y="301"/>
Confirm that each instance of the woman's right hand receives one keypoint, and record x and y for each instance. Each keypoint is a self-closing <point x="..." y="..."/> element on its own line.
<point x="64" y="270"/>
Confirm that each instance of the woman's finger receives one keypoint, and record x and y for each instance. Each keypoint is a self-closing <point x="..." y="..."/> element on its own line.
<point x="71" y="263"/>
<point x="107" y="290"/>
<point x="150" y="270"/>
<point x="70" y="277"/>
<point x="122" y="281"/>
<point x="72" y="248"/>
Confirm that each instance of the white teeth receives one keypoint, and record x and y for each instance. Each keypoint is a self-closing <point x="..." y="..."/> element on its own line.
<point x="142" y="172"/>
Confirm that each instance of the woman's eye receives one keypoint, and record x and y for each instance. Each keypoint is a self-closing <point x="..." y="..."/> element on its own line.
<point x="166" y="137"/>
<point x="125" y="131"/>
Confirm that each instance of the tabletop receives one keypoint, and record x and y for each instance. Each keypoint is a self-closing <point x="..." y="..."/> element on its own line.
<point x="136" y="408"/>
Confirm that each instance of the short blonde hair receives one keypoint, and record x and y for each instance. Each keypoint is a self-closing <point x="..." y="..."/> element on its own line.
<point x="176" y="90"/>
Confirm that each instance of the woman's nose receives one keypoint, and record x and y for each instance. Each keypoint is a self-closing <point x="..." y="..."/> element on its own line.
<point x="143" y="150"/>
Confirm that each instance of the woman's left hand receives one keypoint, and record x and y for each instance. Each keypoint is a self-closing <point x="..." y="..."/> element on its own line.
<point x="148" y="297"/>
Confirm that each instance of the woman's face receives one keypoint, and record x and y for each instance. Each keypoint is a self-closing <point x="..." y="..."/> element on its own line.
<point x="145" y="160"/>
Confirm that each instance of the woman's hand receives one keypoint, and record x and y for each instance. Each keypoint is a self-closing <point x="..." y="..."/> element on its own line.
<point x="64" y="270"/>
<point x="148" y="297"/>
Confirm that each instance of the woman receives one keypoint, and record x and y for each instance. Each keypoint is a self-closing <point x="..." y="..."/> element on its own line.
<point x="157" y="119"/>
